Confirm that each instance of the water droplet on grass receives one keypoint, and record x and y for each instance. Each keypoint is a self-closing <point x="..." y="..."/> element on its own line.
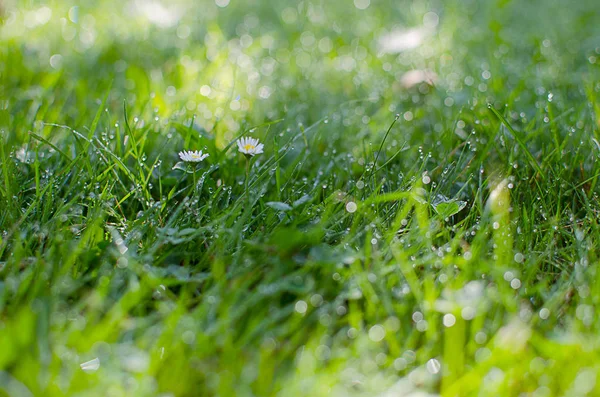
<point x="400" y="364"/>
<point x="90" y="366"/>
<point x="316" y="300"/>
<point x="376" y="333"/>
<point x="422" y="326"/>
<point x="515" y="283"/>
<point x="351" y="207"/>
<point x="449" y="320"/>
<point x="433" y="366"/>
<point x="301" y="307"/>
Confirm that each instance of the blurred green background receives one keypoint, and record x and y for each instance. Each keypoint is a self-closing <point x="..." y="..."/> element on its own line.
<point x="249" y="61"/>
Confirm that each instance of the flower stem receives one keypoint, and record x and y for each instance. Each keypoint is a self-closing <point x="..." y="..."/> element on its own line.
<point x="247" y="178"/>
<point x="195" y="181"/>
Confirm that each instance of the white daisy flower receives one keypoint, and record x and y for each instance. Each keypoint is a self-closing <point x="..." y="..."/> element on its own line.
<point x="249" y="146"/>
<point x="193" y="157"/>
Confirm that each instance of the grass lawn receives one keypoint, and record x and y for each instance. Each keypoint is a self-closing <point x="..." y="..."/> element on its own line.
<point x="423" y="219"/>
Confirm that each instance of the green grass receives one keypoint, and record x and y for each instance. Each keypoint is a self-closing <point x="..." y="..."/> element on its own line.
<point x="439" y="238"/>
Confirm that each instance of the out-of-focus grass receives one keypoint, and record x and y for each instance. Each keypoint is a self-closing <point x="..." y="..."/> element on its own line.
<point x="456" y="255"/>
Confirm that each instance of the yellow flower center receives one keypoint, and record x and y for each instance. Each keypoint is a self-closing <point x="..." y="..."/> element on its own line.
<point x="249" y="147"/>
